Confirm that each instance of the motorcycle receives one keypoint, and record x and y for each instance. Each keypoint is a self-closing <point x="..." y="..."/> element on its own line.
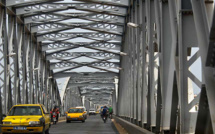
<point x="104" y="117"/>
<point x="110" y="116"/>
<point x="54" y="117"/>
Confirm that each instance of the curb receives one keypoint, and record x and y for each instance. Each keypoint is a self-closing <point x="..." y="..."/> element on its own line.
<point x="130" y="127"/>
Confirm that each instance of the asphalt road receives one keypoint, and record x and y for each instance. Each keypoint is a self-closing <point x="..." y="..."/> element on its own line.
<point x="93" y="125"/>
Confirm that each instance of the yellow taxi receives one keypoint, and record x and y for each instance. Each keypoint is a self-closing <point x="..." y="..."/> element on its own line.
<point x="27" y="118"/>
<point x="75" y="114"/>
<point x="85" y="111"/>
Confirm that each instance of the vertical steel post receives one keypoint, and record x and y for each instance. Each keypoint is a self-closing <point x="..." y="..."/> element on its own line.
<point x="202" y="31"/>
<point x="144" y="64"/>
<point x="150" y="13"/>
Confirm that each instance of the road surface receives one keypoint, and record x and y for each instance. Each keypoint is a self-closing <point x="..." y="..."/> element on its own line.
<point x="93" y="125"/>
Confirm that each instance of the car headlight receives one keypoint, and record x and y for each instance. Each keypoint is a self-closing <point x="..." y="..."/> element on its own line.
<point x="68" y="116"/>
<point x="34" y="122"/>
<point x="7" y="123"/>
<point x="81" y="116"/>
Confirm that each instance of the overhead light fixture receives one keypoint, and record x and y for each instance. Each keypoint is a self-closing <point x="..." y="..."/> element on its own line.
<point x="11" y="54"/>
<point x="132" y="25"/>
<point x="35" y="69"/>
<point x="123" y="53"/>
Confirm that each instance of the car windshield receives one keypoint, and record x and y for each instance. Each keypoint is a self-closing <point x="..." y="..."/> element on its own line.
<point x="75" y="111"/>
<point x="25" y="110"/>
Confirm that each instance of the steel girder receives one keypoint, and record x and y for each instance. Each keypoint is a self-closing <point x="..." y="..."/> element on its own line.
<point x="202" y="19"/>
<point x="54" y="7"/>
<point x="58" y="65"/>
<point x="100" y="27"/>
<point x="161" y="99"/>
<point x="25" y="2"/>
<point x="53" y="17"/>
<point x="67" y="36"/>
<point x="210" y="56"/>
<point x="109" y="2"/>
<point x="59" y="46"/>
<point x="63" y="55"/>
<point x="111" y="85"/>
<point x="90" y="74"/>
<point x="92" y="80"/>
<point x="24" y="70"/>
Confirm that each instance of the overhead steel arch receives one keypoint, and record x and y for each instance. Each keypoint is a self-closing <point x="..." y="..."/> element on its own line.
<point x="155" y="58"/>
<point x="36" y="48"/>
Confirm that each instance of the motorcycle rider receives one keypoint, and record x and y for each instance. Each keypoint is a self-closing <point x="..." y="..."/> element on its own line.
<point x="105" y="113"/>
<point x="56" y="112"/>
<point x="110" y="112"/>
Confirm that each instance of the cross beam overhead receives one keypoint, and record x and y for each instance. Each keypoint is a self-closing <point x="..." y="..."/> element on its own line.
<point x="152" y="60"/>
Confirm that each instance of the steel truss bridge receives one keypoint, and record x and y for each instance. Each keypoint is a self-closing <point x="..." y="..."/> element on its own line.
<point x="142" y="57"/>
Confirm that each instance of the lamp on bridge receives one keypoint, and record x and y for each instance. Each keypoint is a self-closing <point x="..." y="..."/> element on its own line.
<point x="123" y="54"/>
<point x="35" y="69"/>
<point x="132" y="25"/>
<point x="11" y="54"/>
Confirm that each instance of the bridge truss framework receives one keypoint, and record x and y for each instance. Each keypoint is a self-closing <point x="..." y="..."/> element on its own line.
<point x="37" y="46"/>
<point x="156" y="59"/>
<point x="156" y="83"/>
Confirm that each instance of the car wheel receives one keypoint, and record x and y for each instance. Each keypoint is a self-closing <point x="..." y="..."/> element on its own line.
<point x="83" y="121"/>
<point x="43" y="132"/>
<point x="47" y="131"/>
<point x="67" y="121"/>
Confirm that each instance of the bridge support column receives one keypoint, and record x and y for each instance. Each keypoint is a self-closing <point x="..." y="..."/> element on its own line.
<point x="202" y="31"/>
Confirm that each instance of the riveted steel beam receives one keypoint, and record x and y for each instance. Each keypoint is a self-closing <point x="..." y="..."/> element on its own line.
<point x="87" y="82"/>
<point x="86" y="74"/>
<point x="92" y="80"/>
<point x="201" y="21"/>
<point x="91" y="84"/>
<point x="45" y="8"/>
<point x="53" y="17"/>
<point x="101" y="27"/>
<point x="24" y="2"/>
<point x="68" y="45"/>
<point x="109" y="2"/>
<point x="96" y="94"/>
<point x="67" y="36"/>
<point x="58" y="65"/>
<point x="85" y="64"/>
<point x="210" y="62"/>
<point x="63" y="55"/>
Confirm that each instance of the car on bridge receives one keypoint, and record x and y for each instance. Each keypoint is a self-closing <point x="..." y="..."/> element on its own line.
<point x="85" y="111"/>
<point x="27" y="118"/>
<point x="92" y="111"/>
<point x="75" y="114"/>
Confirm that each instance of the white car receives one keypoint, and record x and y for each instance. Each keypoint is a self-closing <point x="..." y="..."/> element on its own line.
<point x="92" y="112"/>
